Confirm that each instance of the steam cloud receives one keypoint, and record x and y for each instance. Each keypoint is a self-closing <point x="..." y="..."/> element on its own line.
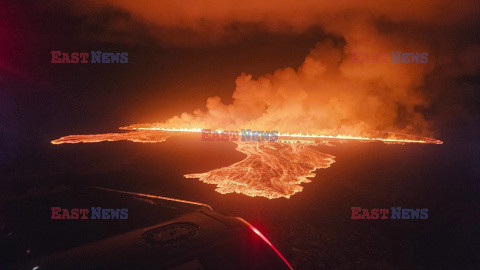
<point x="327" y="93"/>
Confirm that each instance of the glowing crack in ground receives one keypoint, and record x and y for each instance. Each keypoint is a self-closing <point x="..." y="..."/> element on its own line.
<point x="271" y="169"/>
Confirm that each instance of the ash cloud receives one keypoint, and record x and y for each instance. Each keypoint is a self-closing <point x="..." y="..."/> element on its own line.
<point x="327" y="93"/>
<point x="213" y="21"/>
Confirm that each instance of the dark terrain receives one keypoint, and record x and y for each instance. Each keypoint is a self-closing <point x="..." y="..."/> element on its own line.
<point x="313" y="228"/>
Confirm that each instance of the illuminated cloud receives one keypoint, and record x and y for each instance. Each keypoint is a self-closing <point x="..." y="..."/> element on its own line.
<point x="327" y="93"/>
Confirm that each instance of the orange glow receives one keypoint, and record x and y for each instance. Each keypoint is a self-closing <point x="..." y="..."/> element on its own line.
<point x="155" y="135"/>
<point x="394" y="139"/>
<point x="272" y="169"/>
<point x="326" y="99"/>
<point x="142" y="137"/>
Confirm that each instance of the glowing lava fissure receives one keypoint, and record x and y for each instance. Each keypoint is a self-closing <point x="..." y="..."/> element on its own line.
<point x="388" y="137"/>
<point x="157" y="134"/>
<point x="271" y="169"/>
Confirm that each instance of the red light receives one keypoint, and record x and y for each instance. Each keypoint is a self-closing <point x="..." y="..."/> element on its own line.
<point x="256" y="231"/>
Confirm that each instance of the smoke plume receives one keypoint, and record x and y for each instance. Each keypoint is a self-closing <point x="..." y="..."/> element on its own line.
<point x="328" y="93"/>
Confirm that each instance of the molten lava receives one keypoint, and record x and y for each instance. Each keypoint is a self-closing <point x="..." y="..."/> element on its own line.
<point x="271" y="169"/>
<point x="140" y="136"/>
<point x="388" y="138"/>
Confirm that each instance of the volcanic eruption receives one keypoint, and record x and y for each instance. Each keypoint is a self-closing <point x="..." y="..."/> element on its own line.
<point x="323" y="101"/>
<point x="327" y="99"/>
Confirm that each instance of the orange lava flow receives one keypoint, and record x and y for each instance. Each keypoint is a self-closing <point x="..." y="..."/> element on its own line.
<point x="271" y="169"/>
<point x="133" y="136"/>
<point x="389" y="138"/>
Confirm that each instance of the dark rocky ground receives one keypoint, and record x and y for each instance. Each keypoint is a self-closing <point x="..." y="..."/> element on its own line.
<point x="313" y="229"/>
